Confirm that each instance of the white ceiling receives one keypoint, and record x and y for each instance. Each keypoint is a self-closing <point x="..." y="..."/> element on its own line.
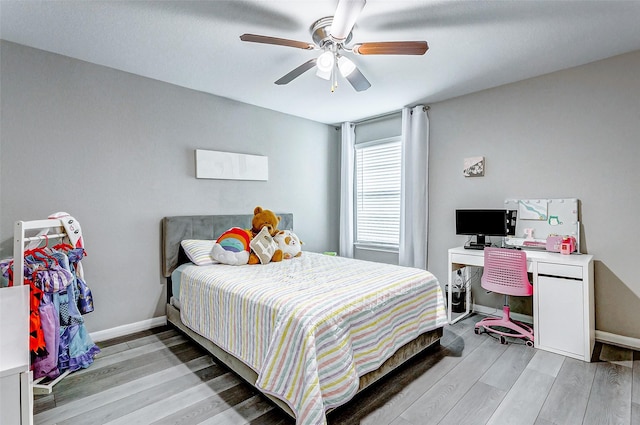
<point x="473" y="45"/>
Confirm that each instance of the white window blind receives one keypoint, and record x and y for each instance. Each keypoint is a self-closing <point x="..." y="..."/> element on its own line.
<point x="378" y="174"/>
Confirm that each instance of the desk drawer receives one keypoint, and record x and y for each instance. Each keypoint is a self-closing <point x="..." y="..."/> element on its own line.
<point x="562" y="270"/>
<point x="469" y="259"/>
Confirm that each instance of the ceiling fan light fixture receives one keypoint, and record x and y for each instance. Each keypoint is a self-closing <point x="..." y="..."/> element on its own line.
<point x="346" y="66"/>
<point x="325" y="75"/>
<point x="326" y="62"/>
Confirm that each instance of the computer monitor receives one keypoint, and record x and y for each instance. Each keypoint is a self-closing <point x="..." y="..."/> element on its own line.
<point x="481" y="223"/>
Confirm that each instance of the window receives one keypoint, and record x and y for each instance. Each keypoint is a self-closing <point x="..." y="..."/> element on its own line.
<point x="378" y="174"/>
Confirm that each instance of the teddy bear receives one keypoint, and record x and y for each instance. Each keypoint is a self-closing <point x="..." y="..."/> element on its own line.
<point x="289" y="243"/>
<point x="264" y="226"/>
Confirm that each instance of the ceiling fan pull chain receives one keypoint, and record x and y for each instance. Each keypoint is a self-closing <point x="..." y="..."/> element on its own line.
<point x="334" y="76"/>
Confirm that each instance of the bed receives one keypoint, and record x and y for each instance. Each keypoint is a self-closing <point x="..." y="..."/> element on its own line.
<point x="310" y="332"/>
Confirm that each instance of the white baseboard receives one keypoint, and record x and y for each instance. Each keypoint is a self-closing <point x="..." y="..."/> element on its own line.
<point x="619" y="340"/>
<point x="128" y="329"/>
<point x="488" y="311"/>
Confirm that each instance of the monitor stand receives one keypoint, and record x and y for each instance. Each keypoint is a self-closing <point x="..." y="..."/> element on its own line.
<point x="480" y="242"/>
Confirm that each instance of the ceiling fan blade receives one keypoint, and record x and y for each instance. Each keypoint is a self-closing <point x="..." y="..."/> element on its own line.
<point x="297" y="72"/>
<point x="277" y="41"/>
<point x="345" y="18"/>
<point x="358" y="80"/>
<point x="391" y="48"/>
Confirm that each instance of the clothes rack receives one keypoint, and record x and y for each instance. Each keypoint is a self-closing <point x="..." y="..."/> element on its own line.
<point x="25" y="240"/>
<point x="19" y="244"/>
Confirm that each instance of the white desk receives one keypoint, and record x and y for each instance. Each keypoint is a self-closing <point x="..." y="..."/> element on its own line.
<point x="563" y="299"/>
<point x="15" y="378"/>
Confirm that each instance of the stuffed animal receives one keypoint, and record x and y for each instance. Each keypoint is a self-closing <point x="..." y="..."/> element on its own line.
<point x="250" y="246"/>
<point x="264" y="226"/>
<point x="232" y="247"/>
<point x="289" y="243"/>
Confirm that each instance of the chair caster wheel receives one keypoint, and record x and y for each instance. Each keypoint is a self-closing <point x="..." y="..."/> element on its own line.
<point x="477" y="331"/>
<point x="503" y="340"/>
<point x="529" y="343"/>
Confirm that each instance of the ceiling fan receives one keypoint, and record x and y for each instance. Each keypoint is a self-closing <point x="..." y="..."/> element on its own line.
<point x="332" y="35"/>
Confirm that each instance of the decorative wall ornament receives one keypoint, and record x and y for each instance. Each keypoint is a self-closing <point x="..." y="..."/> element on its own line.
<point x="474" y="166"/>
<point x="231" y="166"/>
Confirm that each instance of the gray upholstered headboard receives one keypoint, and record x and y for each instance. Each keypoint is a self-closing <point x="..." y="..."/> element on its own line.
<point x="177" y="228"/>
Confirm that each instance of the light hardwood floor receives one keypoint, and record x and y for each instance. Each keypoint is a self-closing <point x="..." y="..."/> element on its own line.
<point x="161" y="377"/>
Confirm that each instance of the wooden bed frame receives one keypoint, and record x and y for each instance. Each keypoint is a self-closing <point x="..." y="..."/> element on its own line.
<point x="177" y="228"/>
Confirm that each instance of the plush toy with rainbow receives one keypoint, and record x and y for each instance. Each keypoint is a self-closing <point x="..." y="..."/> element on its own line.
<point x="232" y="247"/>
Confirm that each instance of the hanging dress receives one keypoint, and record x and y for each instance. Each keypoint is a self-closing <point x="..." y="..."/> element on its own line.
<point x="58" y="339"/>
<point x="76" y="347"/>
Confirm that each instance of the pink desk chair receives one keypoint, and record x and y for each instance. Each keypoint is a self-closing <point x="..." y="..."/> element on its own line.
<point x="505" y="272"/>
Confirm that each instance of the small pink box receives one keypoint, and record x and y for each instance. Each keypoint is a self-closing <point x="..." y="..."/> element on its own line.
<point x="561" y="244"/>
<point x="553" y="243"/>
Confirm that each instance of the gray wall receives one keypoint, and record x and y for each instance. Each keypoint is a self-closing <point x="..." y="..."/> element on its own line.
<point x="117" y="152"/>
<point x="573" y="133"/>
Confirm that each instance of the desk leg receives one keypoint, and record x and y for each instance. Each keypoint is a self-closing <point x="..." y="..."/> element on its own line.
<point x="26" y="398"/>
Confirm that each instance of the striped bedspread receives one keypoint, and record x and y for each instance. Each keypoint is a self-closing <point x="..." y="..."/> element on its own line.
<point x="311" y="326"/>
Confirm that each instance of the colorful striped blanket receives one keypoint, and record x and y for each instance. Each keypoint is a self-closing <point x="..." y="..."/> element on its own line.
<point x="311" y="326"/>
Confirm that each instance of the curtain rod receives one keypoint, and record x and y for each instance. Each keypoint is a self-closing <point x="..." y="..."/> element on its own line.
<point x="385" y="115"/>
<point x="377" y="117"/>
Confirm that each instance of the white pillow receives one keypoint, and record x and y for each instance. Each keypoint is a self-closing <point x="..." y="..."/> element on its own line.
<point x="264" y="246"/>
<point x="199" y="251"/>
